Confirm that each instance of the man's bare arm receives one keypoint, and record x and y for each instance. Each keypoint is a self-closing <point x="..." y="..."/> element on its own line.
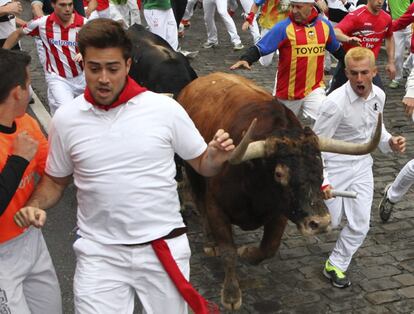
<point x="47" y="194"/>
<point x="390" y="49"/>
<point x="13" y="39"/>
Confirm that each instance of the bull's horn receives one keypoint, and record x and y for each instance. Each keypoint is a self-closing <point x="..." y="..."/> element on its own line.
<point x="342" y="147"/>
<point x="246" y="150"/>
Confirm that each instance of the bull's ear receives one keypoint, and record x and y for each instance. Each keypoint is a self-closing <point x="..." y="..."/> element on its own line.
<point x="282" y="174"/>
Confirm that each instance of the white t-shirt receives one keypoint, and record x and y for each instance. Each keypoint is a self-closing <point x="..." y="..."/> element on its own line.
<point x="7" y="24"/>
<point x="123" y="165"/>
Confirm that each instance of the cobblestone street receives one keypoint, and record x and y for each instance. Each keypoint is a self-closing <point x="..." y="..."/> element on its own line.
<point x="382" y="271"/>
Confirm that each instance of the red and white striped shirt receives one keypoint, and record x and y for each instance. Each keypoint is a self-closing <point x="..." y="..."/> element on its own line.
<point x="60" y="43"/>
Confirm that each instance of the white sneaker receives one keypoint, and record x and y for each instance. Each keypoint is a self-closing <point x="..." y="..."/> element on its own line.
<point x="189" y="54"/>
<point x="238" y="46"/>
<point x="208" y="45"/>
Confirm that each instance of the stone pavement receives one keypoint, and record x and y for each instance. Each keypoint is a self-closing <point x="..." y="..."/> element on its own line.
<point x="292" y="281"/>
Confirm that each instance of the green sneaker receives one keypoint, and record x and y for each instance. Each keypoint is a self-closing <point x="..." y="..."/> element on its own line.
<point x="394" y="84"/>
<point x="338" y="277"/>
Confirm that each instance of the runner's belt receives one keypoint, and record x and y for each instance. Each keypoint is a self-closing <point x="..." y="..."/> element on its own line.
<point x="173" y="234"/>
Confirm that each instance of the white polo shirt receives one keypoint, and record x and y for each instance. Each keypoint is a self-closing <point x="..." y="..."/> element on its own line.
<point x="345" y="116"/>
<point x="123" y="165"/>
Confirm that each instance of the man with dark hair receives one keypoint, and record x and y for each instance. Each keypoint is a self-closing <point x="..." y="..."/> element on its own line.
<point x="118" y="143"/>
<point x="58" y="32"/>
<point x="367" y="26"/>
<point x="28" y="282"/>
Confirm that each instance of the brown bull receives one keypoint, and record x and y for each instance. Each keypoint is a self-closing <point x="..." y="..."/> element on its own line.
<point x="275" y="173"/>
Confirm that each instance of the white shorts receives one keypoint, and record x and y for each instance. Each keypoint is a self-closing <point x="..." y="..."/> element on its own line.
<point x="61" y="90"/>
<point x="108" y="276"/>
<point x="309" y="105"/>
<point x="28" y="282"/>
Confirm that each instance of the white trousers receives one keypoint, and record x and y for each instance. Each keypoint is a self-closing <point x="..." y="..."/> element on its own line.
<point x="309" y="104"/>
<point x="28" y="282"/>
<point x="108" y="276"/>
<point x="189" y="9"/>
<point x="402" y="182"/>
<point x="267" y="59"/>
<point x="128" y="13"/>
<point x="209" y="7"/>
<point x="162" y="23"/>
<point x="254" y="28"/>
<point x="402" y="40"/>
<point x="63" y="90"/>
<point x="353" y="176"/>
<point x="100" y="14"/>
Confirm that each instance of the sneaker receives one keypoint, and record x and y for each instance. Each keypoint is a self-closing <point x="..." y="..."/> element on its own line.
<point x="185" y="23"/>
<point x="238" y="46"/>
<point x="208" y="45"/>
<point x="385" y="206"/>
<point x="180" y="30"/>
<point x="394" y="84"/>
<point x="188" y="54"/>
<point x="406" y="72"/>
<point x="338" y="277"/>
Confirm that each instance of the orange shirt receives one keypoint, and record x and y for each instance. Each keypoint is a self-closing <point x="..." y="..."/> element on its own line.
<point x="8" y="228"/>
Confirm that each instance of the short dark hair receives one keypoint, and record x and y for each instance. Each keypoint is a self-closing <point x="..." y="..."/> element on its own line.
<point x="13" y="71"/>
<point x="104" y="33"/>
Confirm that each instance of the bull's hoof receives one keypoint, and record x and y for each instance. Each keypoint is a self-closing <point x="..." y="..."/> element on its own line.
<point x="211" y="251"/>
<point x="251" y="254"/>
<point x="231" y="303"/>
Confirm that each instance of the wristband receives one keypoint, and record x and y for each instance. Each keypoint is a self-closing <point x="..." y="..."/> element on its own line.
<point x="250" y="18"/>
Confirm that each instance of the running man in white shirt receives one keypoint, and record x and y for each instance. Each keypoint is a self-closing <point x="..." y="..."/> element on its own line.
<point x="118" y="144"/>
<point x="350" y="113"/>
<point x="58" y="32"/>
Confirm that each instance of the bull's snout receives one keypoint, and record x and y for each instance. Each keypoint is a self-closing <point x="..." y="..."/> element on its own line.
<point x="312" y="225"/>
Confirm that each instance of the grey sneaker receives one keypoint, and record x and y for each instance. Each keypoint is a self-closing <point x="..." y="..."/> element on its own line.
<point x="208" y="45"/>
<point x="238" y="46"/>
<point x="385" y="206"/>
<point x="394" y="84"/>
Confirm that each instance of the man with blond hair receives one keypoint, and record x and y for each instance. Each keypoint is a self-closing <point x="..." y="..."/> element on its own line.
<point x="350" y="113"/>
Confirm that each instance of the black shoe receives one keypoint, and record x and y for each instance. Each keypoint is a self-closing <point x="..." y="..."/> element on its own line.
<point x="338" y="278"/>
<point x="386" y="206"/>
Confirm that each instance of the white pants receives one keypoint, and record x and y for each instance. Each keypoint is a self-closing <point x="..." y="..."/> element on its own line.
<point x="41" y="52"/>
<point x="209" y="7"/>
<point x="247" y="5"/>
<point x="108" y="276"/>
<point x="28" y="282"/>
<point x="189" y="9"/>
<point x="402" y="40"/>
<point x="402" y="182"/>
<point x="353" y="176"/>
<point x="267" y="59"/>
<point x="100" y="14"/>
<point x="127" y="13"/>
<point x="162" y="23"/>
<point x="309" y="105"/>
<point x="63" y="90"/>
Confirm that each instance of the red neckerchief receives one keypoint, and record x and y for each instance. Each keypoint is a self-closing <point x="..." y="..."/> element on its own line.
<point x="314" y="14"/>
<point x="198" y="304"/>
<point x="131" y="89"/>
